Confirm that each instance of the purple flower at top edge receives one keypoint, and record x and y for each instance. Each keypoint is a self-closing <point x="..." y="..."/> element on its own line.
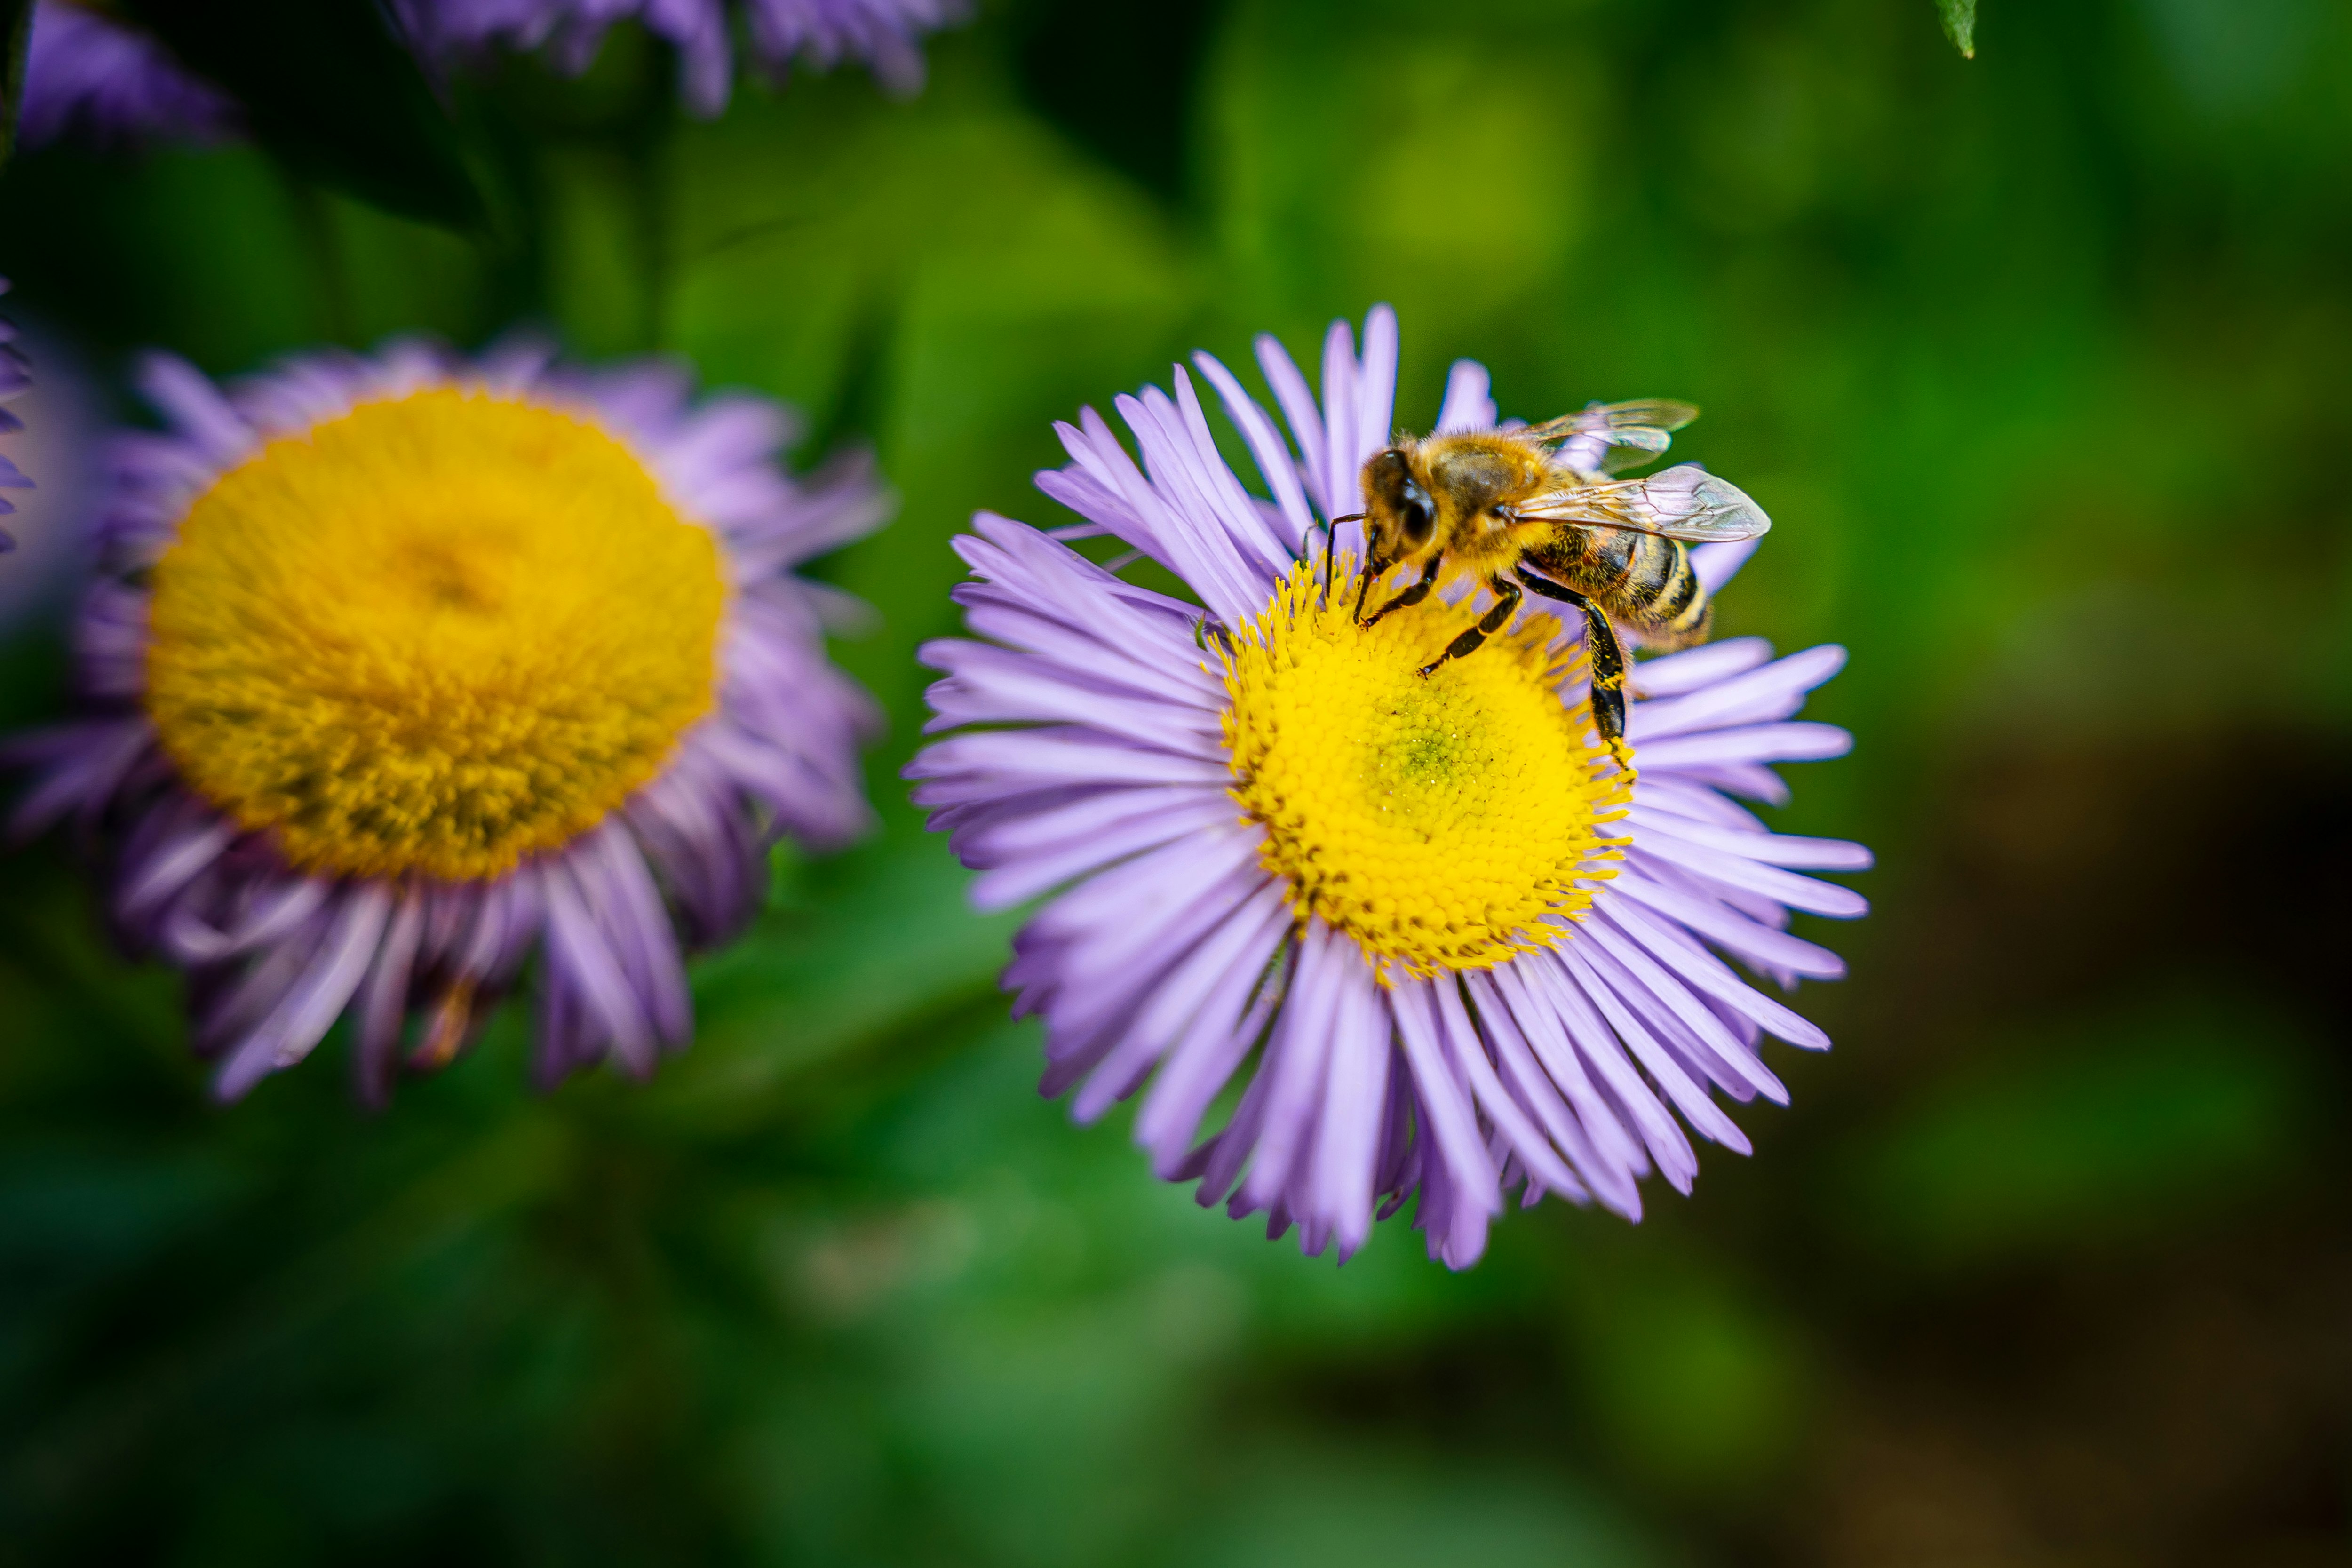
<point x="882" y="34"/>
<point x="104" y="80"/>
<point x="277" y="953"/>
<point x="16" y="380"/>
<point x="90" y="75"/>
<point x="1094" y="763"/>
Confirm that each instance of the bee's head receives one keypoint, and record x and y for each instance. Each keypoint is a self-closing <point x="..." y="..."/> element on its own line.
<point x="1400" y="519"/>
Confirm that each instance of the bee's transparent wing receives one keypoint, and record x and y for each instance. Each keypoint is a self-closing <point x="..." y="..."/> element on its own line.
<point x="1602" y="438"/>
<point x="1683" y="503"/>
<point x="1644" y="421"/>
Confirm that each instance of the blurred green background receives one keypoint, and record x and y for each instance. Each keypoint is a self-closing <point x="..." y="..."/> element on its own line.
<point x="2040" y="363"/>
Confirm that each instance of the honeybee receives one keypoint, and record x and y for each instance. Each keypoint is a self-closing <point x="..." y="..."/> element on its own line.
<point x="1536" y="509"/>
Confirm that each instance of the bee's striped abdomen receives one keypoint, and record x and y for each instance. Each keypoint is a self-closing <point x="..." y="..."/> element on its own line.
<point x="1638" y="579"/>
<point x="1683" y="613"/>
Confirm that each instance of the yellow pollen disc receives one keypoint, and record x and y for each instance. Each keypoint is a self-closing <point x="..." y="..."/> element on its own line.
<point x="1446" y="821"/>
<point x="435" y="636"/>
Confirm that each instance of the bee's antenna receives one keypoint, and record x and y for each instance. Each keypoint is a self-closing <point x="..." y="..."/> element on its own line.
<point x="1371" y="569"/>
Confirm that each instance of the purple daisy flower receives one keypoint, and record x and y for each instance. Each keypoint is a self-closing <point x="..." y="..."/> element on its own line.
<point x="407" y="669"/>
<point x="90" y="73"/>
<point x="1446" y="948"/>
<point x="822" y="33"/>
<point x="16" y="380"/>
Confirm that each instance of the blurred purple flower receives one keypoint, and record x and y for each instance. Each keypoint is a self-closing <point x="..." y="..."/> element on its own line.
<point x="90" y="75"/>
<point x="276" y="946"/>
<point x="882" y="34"/>
<point x="16" y="380"/>
<point x="1178" y="954"/>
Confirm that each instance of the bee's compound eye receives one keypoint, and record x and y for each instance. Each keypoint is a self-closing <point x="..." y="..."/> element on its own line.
<point x="1415" y="514"/>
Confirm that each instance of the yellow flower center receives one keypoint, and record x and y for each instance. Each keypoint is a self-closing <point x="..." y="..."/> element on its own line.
<point x="1446" y="821"/>
<point x="435" y="636"/>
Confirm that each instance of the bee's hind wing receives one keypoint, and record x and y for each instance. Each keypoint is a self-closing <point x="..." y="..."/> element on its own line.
<point x="1643" y="420"/>
<point x="1683" y="502"/>
<point x="1606" y="436"/>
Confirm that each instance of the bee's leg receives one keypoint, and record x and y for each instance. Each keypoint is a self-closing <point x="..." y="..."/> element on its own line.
<point x="1331" y="550"/>
<point x="1373" y="567"/>
<point x="1506" y="601"/>
<point x="1607" y="656"/>
<point x="1411" y="596"/>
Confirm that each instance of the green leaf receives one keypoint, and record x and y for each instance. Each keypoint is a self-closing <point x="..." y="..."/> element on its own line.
<point x="2083" y="1133"/>
<point x="1960" y="25"/>
<point x="17" y="30"/>
<point x="328" y="87"/>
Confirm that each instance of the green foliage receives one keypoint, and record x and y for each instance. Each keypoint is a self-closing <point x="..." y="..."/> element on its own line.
<point x="366" y="124"/>
<point x="836" y="1286"/>
<point x="1700" y="1385"/>
<point x="2105" y="1131"/>
<point x="15" y="37"/>
<point x="1959" y="24"/>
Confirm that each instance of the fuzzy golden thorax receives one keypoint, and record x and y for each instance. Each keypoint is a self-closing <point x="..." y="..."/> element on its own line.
<point x="1451" y="496"/>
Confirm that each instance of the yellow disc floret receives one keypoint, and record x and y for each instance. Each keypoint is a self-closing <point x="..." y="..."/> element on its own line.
<point x="1446" y="821"/>
<point x="432" y="636"/>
